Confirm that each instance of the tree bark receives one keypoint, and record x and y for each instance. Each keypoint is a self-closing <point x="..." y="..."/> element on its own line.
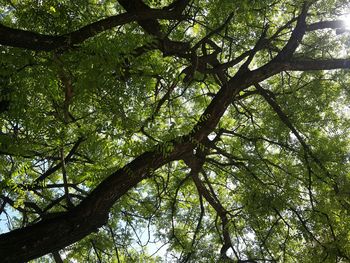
<point x="65" y="228"/>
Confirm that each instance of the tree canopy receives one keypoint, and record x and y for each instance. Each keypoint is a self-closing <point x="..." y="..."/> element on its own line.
<point x="183" y="130"/>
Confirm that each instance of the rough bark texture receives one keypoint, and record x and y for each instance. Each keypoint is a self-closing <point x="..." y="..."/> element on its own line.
<point x="66" y="228"/>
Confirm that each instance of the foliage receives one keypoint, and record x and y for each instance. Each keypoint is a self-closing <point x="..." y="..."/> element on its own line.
<point x="227" y="123"/>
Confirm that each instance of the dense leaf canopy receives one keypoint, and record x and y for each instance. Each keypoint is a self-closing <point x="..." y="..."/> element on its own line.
<point x="178" y="131"/>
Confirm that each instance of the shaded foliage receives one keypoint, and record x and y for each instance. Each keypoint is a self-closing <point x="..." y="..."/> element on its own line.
<point x="190" y="131"/>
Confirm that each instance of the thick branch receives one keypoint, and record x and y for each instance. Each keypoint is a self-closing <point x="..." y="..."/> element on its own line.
<point x="336" y="24"/>
<point x="296" y="37"/>
<point x="317" y="64"/>
<point x="68" y="227"/>
<point x="35" y="41"/>
<point x="153" y="28"/>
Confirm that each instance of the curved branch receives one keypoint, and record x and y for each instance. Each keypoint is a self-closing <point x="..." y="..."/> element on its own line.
<point x="335" y="24"/>
<point x="65" y="228"/>
<point x="40" y="42"/>
<point x="68" y="227"/>
<point x="153" y="28"/>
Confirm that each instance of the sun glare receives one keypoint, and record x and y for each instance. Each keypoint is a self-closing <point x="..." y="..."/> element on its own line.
<point x="346" y="19"/>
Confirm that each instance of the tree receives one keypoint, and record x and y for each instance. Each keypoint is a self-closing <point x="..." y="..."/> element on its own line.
<point x="218" y="129"/>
